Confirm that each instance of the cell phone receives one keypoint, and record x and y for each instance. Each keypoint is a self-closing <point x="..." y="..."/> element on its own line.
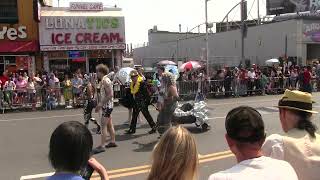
<point x="86" y="172"/>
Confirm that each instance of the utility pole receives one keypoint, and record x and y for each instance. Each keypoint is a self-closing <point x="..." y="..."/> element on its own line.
<point x="177" y="52"/>
<point x="207" y="35"/>
<point x="243" y="27"/>
<point x="258" y="4"/>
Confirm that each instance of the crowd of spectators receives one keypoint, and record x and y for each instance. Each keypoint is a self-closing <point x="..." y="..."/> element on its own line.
<point x="18" y="89"/>
<point x="49" y="89"/>
<point x="254" y="80"/>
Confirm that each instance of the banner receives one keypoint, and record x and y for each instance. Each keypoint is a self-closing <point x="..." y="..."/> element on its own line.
<point x="81" y="33"/>
<point x="275" y="7"/>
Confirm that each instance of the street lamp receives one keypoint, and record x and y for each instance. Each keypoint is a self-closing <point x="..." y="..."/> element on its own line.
<point x="208" y="26"/>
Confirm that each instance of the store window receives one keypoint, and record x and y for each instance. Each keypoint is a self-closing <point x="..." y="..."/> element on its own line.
<point x="8" y="11"/>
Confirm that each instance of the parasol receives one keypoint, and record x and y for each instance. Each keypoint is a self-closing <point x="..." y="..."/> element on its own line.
<point x="166" y="62"/>
<point x="123" y="75"/>
<point x="272" y="62"/>
<point x="191" y="65"/>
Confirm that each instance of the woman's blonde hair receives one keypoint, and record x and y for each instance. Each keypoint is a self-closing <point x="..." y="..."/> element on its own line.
<point x="175" y="157"/>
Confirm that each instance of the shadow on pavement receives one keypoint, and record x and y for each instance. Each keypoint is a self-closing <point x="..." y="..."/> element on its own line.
<point x="195" y="130"/>
<point x="145" y="147"/>
<point x="126" y="137"/>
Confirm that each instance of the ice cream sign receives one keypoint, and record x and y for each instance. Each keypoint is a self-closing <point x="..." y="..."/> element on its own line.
<point x="312" y="31"/>
<point x="82" y="30"/>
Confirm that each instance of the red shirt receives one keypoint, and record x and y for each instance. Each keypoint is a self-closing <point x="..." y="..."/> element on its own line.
<point x="306" y="77"/>
<point x="3" y="79"/>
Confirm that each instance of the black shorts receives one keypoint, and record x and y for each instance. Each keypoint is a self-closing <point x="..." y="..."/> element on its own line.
<point x="106" y="112"/>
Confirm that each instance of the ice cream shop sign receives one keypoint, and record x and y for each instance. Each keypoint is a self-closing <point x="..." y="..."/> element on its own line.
<point x="81" y="33"/>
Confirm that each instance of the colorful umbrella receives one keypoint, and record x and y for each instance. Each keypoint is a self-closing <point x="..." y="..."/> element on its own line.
<point x="172" y="69"/>
<point x="123" y="75"/>
<point x="166" y="62"/>
<point x="191" y="65"/>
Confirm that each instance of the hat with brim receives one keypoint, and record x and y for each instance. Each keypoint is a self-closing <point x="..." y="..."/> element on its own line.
<point x="297" y="100"/>
<point x="134" y="73"/>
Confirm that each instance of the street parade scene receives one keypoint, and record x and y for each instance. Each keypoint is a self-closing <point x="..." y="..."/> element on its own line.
<point x="134" y="90"/>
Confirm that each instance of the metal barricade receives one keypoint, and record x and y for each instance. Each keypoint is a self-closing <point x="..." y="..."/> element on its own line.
<point x="48" y="98"/>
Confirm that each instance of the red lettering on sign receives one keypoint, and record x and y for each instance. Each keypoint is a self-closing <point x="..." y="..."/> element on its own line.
<point x="87" y="38"/>
<point x="96" y="38"/>
<point x="115" y="37"/>
<point x="58" y="39"/>
<point x="104" y="38"/>
<point x="79" y="38"/>
<point x="67" y="38"/>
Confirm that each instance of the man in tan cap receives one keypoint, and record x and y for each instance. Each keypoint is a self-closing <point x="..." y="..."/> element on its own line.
<point x="300" y="146"/>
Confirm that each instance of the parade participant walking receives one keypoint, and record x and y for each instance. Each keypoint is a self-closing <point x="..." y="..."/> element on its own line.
<point x="106" y="105"/>
<point x="90" y="104"/>
<point x="169" y="94"/>
<point x="300" y="146"/>
<point x="138" y="89"/>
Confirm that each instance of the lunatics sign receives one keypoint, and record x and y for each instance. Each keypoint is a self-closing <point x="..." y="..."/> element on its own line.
<point x="79" y="33"/>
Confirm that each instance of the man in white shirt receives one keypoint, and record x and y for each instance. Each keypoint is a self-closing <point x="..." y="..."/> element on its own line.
<point x="106" y="105"/>
<point x="252" y="78"/>
<point x="245" y="136"/>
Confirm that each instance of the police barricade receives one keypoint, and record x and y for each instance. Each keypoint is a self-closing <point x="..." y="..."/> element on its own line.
<point x="49" y="98"/>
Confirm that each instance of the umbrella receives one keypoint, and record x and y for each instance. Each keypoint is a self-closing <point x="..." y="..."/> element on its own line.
<point x="166" y="62"/>
<point x="191" y="65"/>
<point x="172" y="69"/>
<point x="271" y="62"/>
<point x="123" y="75"/>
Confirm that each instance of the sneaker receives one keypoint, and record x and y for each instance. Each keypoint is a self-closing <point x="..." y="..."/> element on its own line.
<point x="98" y="130"/>
<point x="111" y="145"/>
<point x="98" y="150"/>
<point x="130" y="131"/>
<point x="153" y="130"/>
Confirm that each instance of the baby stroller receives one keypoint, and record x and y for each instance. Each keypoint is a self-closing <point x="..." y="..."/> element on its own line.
<point x="192" y="112"/>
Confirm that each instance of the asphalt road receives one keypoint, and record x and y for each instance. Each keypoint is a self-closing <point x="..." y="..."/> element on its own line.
<point x="24" y="140"/>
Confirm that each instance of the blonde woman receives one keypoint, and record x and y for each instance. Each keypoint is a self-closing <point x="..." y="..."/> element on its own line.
<point x="175" y="157"/>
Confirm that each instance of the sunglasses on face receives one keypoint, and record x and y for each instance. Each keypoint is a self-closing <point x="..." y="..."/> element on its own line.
<point x="133" y="76"/>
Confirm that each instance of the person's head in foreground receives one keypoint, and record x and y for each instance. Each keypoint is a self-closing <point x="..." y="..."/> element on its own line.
<point x="300" y="146"/>
<point x="245" y="132"/>
<point x="245" y="136"/>
<point x="70" y="147"/>
<point x="295" y="111"/>
<point x="70" y="150"/>
<point x="175" y="157"/>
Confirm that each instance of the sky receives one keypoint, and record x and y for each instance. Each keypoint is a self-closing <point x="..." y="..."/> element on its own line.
<point x="142" y="15"/>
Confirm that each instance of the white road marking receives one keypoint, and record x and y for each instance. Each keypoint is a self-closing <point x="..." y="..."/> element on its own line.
<point x="36" y="176"/>
<point x="263" y="112"/>
<point x="116" y="112"/>
<point x="243" y="102"/>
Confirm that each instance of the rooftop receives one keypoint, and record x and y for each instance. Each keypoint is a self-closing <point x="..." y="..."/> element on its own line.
<point x="64" y="11"/>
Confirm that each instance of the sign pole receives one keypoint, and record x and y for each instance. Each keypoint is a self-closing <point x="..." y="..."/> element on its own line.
<point x="207" y="35"/>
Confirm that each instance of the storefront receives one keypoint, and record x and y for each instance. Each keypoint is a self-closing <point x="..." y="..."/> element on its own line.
<point x="74" y="38"/>
<point x="311" y="39"/>
<point x="19" y="45"/>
